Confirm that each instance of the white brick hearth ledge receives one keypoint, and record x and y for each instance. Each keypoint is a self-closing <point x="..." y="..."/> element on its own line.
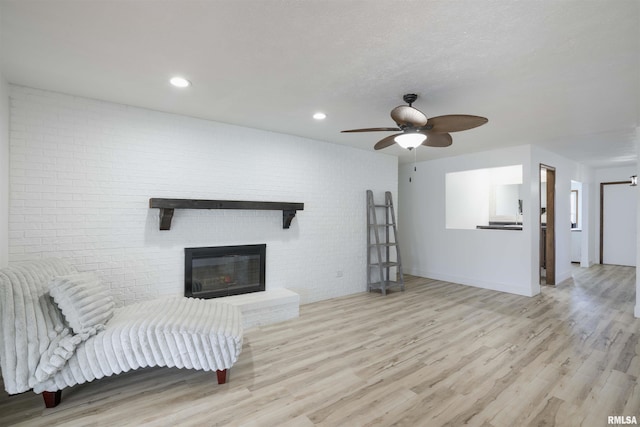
<point x="266" y="307"/>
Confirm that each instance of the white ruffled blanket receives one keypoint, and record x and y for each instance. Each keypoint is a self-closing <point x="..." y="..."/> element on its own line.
<point x="174" y="332"/>
<point x="41" y="352"/>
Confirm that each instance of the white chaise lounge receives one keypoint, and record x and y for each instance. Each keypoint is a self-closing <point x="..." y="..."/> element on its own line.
<point x="59" y="328"/>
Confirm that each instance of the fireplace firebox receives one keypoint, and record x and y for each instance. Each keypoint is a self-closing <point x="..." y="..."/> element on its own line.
<point x="220" y="271"/>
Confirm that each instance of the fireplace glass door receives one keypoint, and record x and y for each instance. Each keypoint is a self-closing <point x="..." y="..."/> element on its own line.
<point x="213" y="272"/>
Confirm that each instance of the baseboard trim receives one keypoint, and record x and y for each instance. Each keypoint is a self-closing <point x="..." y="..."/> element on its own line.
<point x="494" y="286"/>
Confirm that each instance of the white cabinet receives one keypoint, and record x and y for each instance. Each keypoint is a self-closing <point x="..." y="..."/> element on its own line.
<point x="576" y="245"/>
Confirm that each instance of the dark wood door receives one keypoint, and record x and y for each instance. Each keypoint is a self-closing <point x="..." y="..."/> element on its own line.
<point x="547" y="227"/>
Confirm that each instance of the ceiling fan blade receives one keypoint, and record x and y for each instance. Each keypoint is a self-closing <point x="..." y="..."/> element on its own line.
<point x="371" y="130"/>
<point x="438" y="140"/>
<point x="386" y="142"/>
<point x="405" y="115"/>
<point x="455" y="122"/>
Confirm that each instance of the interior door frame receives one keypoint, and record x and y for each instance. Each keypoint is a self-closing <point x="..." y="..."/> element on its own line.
<point x="550" y="240"/>
<point x="602" y="187"/>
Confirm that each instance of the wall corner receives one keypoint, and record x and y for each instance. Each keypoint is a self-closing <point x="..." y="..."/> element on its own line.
<point x="4" y="172"/>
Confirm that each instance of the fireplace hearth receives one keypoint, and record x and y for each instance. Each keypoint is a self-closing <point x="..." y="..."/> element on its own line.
<point x="219" y="271"/>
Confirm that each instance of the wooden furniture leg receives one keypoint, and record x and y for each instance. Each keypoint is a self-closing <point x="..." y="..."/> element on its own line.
<point x="51" y="398"/>
<point x="222" y="376"/>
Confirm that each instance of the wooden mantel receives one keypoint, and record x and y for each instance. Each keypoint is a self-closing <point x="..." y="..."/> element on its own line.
<point x="167" y="206"/>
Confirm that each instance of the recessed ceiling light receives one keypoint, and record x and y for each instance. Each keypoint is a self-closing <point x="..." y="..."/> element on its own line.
<point x="319" y="116"/>
<point x="180" y="82"/>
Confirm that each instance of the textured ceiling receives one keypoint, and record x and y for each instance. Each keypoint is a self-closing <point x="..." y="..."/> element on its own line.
<point x="561" y="74"/>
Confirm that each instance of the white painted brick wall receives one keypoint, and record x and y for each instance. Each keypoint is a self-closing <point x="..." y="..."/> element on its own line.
<point x="82" y="172"/>
<point x="4" y="172"/>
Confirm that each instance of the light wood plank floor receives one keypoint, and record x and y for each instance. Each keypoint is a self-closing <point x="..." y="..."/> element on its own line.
<point x="436" y="354"/>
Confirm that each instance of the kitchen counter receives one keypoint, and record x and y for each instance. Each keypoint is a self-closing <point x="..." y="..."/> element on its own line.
<point x="500" y="227"/>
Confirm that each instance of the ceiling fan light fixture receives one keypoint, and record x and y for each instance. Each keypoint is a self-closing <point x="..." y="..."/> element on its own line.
<point x="410" y="140"/>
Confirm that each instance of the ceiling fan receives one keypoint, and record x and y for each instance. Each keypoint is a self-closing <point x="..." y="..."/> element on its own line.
<point x="416" y="129"/>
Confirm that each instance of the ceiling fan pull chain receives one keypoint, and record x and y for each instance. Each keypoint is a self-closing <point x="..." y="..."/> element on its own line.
<point x="415" y="155"/>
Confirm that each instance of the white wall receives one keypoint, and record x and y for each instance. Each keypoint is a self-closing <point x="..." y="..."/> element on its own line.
<point x="492" y="259"/>
<point x="4" y="172"/>
<point x="637" y="172"/>
<point x="601" y="175"/>
<point x="502" y="260"/>
<point x="82" y="172"/>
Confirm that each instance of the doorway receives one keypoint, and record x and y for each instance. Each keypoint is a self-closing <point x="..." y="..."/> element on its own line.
<point x="618" y="207"/>
<point x="547" y="225"/>
<point x="575" y="199"/>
